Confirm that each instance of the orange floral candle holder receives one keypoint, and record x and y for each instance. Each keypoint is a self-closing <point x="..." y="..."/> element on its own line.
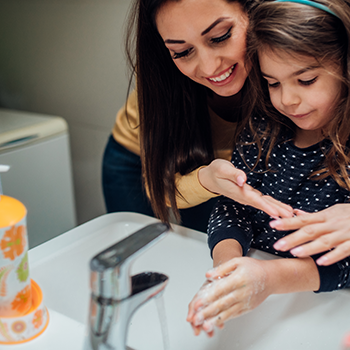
<point x="21" y="329"/>
<point x="23" y="315"/>
<point x="15" y="285"/>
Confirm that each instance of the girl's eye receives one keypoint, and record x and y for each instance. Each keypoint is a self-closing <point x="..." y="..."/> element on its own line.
<point x="182" y="54"/>
<point x="223" y="37"/>
<point x="308" y="82"/>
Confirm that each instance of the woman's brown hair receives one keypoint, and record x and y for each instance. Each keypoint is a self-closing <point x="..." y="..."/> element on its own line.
<point x="175" y="128"/>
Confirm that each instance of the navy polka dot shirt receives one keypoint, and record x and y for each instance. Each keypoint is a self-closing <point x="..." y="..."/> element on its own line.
<point x="288" y="181"/>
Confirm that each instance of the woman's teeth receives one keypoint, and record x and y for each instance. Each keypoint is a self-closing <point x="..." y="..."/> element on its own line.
<point x="223" y="76"/>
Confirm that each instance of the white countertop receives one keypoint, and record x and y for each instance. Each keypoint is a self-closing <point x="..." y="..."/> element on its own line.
<point x="61" y="268"/>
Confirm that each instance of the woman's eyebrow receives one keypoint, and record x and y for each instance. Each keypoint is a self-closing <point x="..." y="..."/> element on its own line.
<point x="213" y="25"/>
<point x="171" y="41"/>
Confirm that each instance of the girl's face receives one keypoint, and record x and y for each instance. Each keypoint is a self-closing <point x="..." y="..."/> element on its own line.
<point x="207" y="41"/>
<point x="303" y="91"/>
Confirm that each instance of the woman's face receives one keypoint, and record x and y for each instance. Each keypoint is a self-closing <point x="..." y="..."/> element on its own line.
<point x="207" y="41"/>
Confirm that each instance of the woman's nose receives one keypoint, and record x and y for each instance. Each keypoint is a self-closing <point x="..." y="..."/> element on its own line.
<point x="208" y="63"/>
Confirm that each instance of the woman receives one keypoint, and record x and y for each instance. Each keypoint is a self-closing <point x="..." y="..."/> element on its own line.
<point x="191" y="95"/>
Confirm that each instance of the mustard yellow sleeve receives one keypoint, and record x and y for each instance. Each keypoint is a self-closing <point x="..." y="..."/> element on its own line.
<point x="126" y="130"/>
<point x="193" y="193"/>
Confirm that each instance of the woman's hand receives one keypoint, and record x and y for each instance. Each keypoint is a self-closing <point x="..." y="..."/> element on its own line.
<point x="220" y="176"/>
<point x="317" y="233"/>
<point x="232" y="289"/>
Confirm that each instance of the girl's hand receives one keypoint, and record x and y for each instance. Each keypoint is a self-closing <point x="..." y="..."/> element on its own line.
<point x="317" y="233"/>
<point x="220" y="176"/>
<point x="232" y="289"/>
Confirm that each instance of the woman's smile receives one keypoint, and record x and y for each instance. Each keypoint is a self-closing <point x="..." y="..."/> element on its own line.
<point x="223" y="77"/>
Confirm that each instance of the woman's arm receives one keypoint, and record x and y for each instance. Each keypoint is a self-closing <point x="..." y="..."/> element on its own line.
<point x="222" y="177"/>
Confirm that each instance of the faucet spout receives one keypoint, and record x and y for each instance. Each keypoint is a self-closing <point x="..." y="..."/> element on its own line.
<point x="115" y="296"/>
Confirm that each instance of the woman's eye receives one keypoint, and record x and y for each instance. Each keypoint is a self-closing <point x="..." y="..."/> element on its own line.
<point x="182" y="54"/>
<point x="308" y="82"/>
<point x="223" y="37"/>
<point x="273" y="85"/>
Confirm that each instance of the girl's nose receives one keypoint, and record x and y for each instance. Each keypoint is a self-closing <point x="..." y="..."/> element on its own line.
<point x="290" y="97"/>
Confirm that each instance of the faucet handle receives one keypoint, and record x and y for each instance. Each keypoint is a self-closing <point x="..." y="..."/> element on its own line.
<point x="110" y="277"/>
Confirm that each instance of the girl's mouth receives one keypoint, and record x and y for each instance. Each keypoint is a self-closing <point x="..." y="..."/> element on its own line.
<point x="222" y="77"/>
<point x="300" y="115"/>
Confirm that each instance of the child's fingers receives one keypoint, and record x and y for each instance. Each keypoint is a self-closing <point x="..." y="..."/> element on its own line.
<point x="346" y="342"/>
<point x="223" y="269"/>
<point x="214" y="296"/>
<point x="196" y="330"/>
<point x="197" y="302"/>
<point x="195" y="306"/>
<point x="215" y="308"/>
<point x="219" y="320"/>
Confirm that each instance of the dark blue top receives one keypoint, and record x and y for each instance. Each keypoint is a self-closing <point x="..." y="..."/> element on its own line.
<point x="288" y="181"/>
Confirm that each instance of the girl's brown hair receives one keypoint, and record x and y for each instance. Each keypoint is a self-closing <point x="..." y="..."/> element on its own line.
<point x="298" y="29"/>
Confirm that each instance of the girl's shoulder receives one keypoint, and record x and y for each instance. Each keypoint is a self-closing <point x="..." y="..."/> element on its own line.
<point x="254" y="126"/>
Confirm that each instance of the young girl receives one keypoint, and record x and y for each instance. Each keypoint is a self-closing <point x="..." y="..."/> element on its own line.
<point x="298" y="153"/>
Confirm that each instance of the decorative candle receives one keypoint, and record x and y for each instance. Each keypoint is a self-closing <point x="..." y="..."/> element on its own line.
<point x="15" y="284"/>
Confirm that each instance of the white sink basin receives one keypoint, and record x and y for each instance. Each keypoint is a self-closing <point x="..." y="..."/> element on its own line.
<point x="61" y="268"/>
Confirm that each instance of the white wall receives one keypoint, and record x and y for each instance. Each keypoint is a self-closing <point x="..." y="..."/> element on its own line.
<point x="66" y="58"/>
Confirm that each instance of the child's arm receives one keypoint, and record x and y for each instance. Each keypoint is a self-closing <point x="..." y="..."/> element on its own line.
<point x="241" y="284"/>
<point x="326" y="229"/>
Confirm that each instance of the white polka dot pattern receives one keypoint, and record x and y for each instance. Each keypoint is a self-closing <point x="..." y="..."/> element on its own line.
<point x="287" y="181"/>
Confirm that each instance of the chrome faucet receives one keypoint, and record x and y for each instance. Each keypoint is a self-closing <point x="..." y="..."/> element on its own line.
<point x="115" y="295"/>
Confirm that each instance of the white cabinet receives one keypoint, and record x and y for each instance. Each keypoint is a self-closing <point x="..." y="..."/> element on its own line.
<point x="37" y="149"/>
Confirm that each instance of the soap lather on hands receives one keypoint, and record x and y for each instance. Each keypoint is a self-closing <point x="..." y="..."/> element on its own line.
<point x="232" y="289"/>
<point x="240" y="284"/>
